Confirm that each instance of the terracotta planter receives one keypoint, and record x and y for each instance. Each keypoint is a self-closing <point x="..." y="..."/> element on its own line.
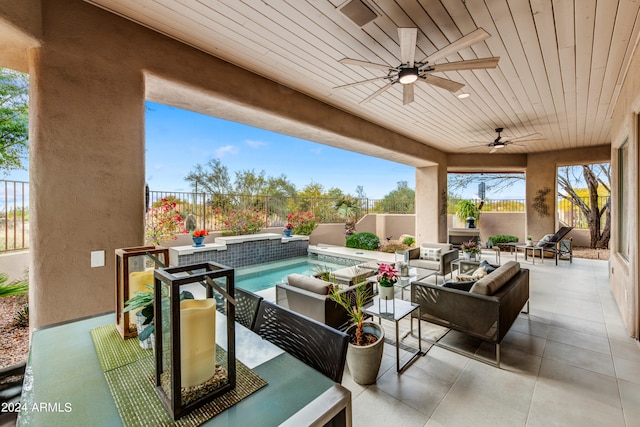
<point x="364" y="361"/>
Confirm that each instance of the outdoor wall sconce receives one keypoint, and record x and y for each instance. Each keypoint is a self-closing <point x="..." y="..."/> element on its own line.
<point x="134" y="270"/>
<point x="191" y="369"/>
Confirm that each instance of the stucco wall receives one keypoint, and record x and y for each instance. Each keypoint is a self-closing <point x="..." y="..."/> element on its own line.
<point x="91" y="72"/>
<point x="624" y="270"/>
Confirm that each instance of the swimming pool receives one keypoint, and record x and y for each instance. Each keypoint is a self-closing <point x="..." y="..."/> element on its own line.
<point x="263" y="276"/>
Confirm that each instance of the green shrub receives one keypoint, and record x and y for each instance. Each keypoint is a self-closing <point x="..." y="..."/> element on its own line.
<point x="466" y="209"/>
<point x="365" y="240"/>
<point x="303" y="223"/>
<point x="409" y="241"/>
<point x="502" y="238"/>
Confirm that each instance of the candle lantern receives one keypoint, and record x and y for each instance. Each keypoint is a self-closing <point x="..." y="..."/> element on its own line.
<point x="134" y="270"/>
<point x="191" y="369"/>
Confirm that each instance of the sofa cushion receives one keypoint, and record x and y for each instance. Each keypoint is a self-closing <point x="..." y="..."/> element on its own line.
<point x="424" y="263"/>
<point x="491" y="283"/>
<point x="430" y="254"/>
<point x="309" y="283"/>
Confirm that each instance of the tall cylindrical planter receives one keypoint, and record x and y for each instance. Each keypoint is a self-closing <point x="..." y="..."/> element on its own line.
<point x="385" y="292"/>
<point x="364" y="361"/>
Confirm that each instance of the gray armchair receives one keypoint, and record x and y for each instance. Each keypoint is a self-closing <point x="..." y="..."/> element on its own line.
<point x="438" y="259"/>
<point x="310" y="297"/>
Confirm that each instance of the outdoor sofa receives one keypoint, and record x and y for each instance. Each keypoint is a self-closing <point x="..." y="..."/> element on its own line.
<point x="485" y="311"/>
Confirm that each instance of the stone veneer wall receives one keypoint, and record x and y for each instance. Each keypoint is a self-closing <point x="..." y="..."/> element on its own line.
<point x="246" y="253"/>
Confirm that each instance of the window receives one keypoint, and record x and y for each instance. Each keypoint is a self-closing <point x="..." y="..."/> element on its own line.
<point x="623" y="199"/>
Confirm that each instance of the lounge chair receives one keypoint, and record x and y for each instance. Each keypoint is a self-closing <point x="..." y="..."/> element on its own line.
<point x="554" y="243"/>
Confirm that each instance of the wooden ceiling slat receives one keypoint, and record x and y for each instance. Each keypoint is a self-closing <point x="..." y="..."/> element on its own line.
<point x="561" y="61"/>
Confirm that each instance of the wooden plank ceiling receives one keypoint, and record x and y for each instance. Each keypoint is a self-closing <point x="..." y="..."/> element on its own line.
<point x="561" y="61"/>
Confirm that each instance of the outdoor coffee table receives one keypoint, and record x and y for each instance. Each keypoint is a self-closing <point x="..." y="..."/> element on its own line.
<point x="396" y="310"/>
<point x="414" y="274"/>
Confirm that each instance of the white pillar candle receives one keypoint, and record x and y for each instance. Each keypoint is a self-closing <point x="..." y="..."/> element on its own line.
<point x="137" y="282"/>
<point x="197" y="341"/>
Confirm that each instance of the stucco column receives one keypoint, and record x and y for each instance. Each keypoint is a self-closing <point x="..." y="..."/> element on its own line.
<point x="431" y="204"/>
<point x="86" y="120"/>
<point x="541" y="195"/>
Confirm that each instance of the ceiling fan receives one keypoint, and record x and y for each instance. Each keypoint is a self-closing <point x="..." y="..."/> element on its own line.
<point x="498" y="143"/>
<point x="410" y="71"/>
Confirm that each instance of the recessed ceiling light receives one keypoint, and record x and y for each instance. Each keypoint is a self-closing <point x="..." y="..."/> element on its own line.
<point x="463" y="95"/>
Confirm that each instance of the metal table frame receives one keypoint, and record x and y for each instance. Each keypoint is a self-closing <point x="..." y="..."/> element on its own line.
<point x="401" y="309"/>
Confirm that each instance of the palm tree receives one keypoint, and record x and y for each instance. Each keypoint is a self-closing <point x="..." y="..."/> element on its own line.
<point x="348" y="208"/>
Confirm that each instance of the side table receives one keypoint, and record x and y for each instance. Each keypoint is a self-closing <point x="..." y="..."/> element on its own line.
<point x="396" y="310"/>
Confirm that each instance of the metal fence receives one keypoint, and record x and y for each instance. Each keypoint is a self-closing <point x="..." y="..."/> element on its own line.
<point x="569" y="213"/>
<point x="14" y="216"/>
<point x="212" y="211"/>
<point x="492" y="205"/>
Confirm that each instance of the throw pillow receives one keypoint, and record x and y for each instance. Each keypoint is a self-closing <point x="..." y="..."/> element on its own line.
<point x="479" y="273"/>
<point x="430" y="254"/>
<point x="461" y="286"/>
<point x="464" y="278"/>
<point x="545" y="239"/>
<point x="488" y="267"/>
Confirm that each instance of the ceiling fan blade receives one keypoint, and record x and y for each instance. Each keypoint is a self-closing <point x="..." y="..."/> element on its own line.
<point x="449" y="85"/>
<point x="472" y="38"/>
<point x="360" y="82"/>
<point x="349" y="61"/>
<point x="470" y="64"/>
<point x="538" y="137"/>
<point x="407" y="94"/>
<point x="376" y="93"/>
<point x="493" y="150"/>
<point x="408" y="38"/>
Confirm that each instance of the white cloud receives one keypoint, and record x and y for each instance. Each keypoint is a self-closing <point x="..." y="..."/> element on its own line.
<point x="317" y="150"/>
<point x="224" y="150"/>
<point x="255" y="143"/>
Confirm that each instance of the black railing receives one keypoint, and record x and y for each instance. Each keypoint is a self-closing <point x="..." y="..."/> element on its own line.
<point x="14" y="216"/>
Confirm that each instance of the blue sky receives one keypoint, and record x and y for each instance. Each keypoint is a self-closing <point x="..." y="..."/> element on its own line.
<point x="177" y="140"/>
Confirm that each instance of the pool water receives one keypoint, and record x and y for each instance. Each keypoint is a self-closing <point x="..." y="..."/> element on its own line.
<point x="263" y="276"/>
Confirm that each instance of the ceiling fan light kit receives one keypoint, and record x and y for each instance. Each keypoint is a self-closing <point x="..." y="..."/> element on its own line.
<point x="408" y="75"/>
<point x="410" y="71"/>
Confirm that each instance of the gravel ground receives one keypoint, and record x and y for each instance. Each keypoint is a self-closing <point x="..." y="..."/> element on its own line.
<point x="14" y="340"/>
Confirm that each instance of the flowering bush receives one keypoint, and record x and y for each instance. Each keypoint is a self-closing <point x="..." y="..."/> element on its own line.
<point x="289" y="226"/>
<point x="200" y="233"/>
<point x="303" y="223"/>
<point x="387" y="275"/>
<point x="470" y="246"/>
<point x="163" y="222"/>
<point x="243" y="221"/>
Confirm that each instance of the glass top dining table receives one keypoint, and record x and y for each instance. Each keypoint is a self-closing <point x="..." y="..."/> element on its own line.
<point x="64" y="384"/>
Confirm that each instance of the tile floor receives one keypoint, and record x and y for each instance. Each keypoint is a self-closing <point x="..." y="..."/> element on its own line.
<point x="568" y="363"/>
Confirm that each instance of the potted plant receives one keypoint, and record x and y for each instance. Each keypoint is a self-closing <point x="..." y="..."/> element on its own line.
<point x="288" y="229"/>
<point x="198" y="237"/>
<point x="470" y="249"/>
<point x="387" y="277"/>
<point x="529" y="241"/>
<point x="142" y="305"/>
<point x="366" y="342"/>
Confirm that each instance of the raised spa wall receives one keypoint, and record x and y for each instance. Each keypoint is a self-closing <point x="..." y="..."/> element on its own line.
<point x="240" y="251"/>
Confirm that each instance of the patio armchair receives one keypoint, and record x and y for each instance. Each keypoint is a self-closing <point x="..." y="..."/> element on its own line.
<point x="433" y="256"/>
<point x="556" y="246"/>
<point x="310" y="297"/>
